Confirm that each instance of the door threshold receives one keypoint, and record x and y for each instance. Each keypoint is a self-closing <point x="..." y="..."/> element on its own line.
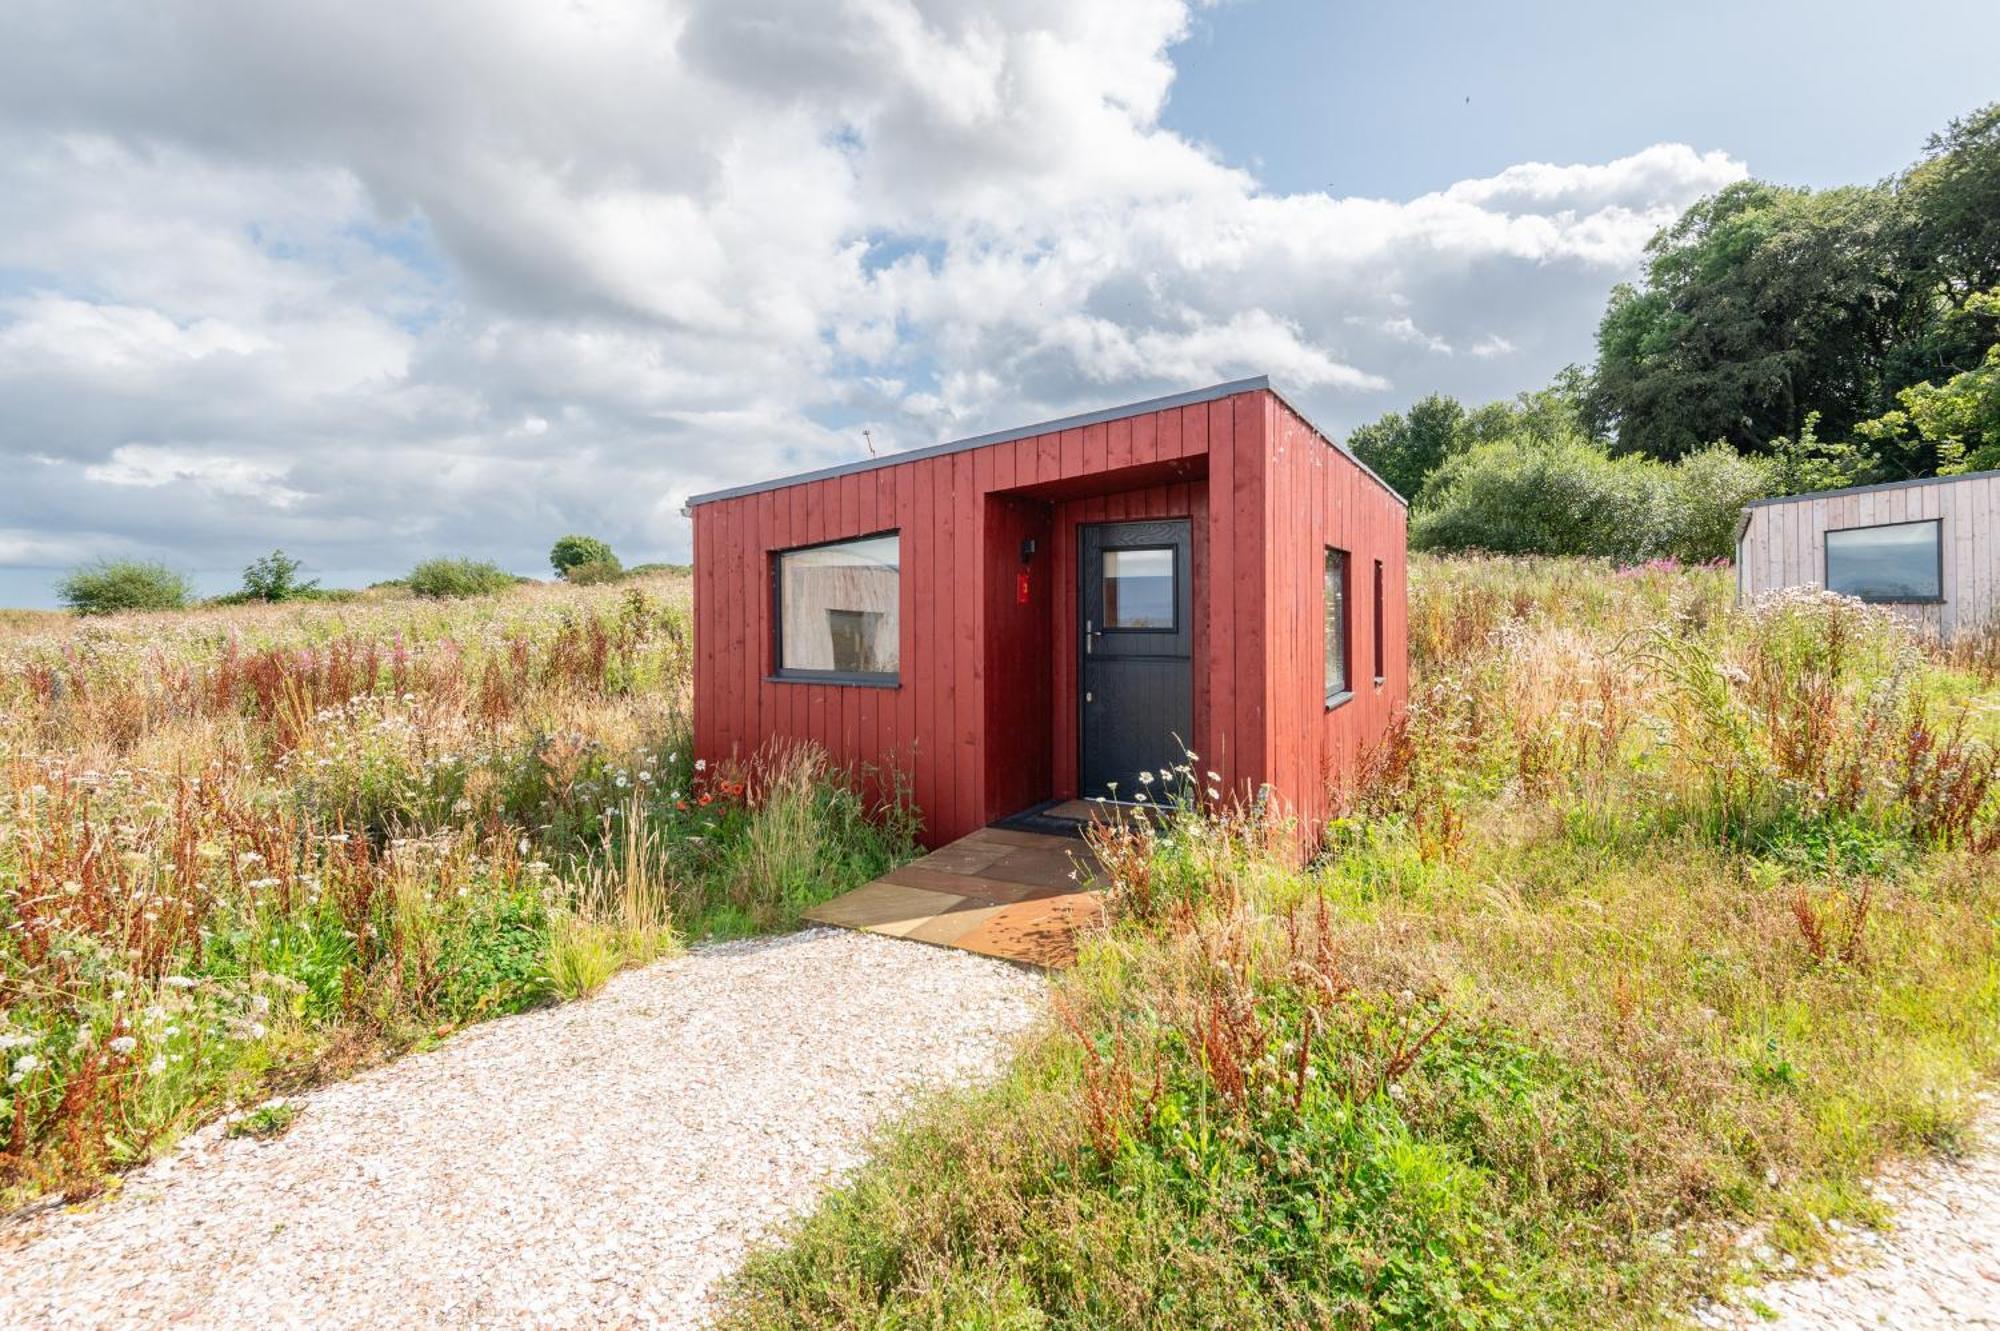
<point x="1071" y="816"/>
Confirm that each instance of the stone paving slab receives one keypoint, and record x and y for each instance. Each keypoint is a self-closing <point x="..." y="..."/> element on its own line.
<point x="883" y="908"/>
<point x="1041" y="932"/>
<point x="1018" y="896"/>
<point x="1000" y="891"/>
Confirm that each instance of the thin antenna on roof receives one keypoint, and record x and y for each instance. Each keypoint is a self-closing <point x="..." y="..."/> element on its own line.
<point x="869" y="439"/>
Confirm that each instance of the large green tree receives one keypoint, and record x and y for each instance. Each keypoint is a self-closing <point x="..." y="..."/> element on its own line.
<point x="1955" y="190"/>
<point x="1408" y="449"/>
<point x="1759" y="305"/>
<point x="1956" y="421"/>
<point x="1764" y="305"/>
<point x="1403" y="448"/>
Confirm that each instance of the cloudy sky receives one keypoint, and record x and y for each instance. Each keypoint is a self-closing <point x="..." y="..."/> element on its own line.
<point x="373" y="281"/>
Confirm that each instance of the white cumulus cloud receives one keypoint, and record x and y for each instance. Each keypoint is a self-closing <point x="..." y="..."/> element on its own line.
<point x="374" y="280"/>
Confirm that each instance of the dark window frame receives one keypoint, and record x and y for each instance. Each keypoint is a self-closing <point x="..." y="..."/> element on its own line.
<point x="1335" y="697"/>
<point x="1826" y="560"/>
<point x="1173" y="554"/>
<point x="778" y="673"/>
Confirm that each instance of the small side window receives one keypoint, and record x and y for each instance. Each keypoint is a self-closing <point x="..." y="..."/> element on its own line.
<point x="1338" y="684"/>
<point x="1381" y="656"/>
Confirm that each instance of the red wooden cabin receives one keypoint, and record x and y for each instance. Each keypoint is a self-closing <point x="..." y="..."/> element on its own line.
<point x="1025" y="617"/>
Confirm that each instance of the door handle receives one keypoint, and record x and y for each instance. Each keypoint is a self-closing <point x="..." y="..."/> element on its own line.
<point x="1089" y="640"/>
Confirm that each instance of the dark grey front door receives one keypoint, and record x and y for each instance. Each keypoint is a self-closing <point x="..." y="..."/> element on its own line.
<point x="1136" y="615"/>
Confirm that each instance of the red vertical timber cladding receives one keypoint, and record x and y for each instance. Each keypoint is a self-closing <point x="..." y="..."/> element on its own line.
<point x="1118" y="442"/>
<point x="993" y="585"/>
<point x="908" y="753"/>
<point x="1241" y="420"/>
<point x="732" y="646"/>
<point x="1325" y="499"/>
<point x="941" y="641"/>
<point x="984" y="718"/>
<point x="919" y="667"/>
<point x="1016" y="654"/>
<point x="885" y="750"/>
<point x="706" y="687"/>
<point x="967" y="700"/>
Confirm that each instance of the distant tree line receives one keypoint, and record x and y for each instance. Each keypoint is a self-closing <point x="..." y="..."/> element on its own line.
<point x="112" y="586"/>
<point x="1779" y="340"/>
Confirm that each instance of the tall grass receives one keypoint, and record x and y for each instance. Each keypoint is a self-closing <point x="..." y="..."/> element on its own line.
<point x="244" y="849"/>
<point x="1655" y="920"/>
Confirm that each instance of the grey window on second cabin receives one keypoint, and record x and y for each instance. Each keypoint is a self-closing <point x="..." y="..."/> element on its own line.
<point x="836" y="608"/>
<point x="1898" y="561"/>
<point x="1338" y="685"/>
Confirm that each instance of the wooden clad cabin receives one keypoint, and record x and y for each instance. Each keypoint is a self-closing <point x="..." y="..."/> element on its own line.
<point x="1930" y="548"/>
<point x="1022" y="618"/>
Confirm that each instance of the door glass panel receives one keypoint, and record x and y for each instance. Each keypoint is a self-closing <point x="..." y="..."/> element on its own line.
<point x="1139" y="589"/>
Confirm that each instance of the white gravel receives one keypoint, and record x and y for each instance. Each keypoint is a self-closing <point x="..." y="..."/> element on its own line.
<point x="597" y="1164"/>
<point x="1937" y="1266"/>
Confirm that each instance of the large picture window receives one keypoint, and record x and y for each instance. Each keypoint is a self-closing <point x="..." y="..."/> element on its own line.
<point x="836" y="610"/>
<point x="1900" y="561"/>
<point x="1338" y="686"/>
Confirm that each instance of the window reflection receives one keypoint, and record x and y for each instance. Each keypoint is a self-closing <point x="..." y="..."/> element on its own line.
<point x="1897" y="562"/>
<point x="837" y="607"/>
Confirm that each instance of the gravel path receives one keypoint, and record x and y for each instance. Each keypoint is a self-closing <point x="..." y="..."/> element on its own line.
<point x="597" y="1164"/>
<point x="1937" y="1266"/>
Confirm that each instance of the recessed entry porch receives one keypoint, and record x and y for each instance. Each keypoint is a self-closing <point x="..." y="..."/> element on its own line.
<point x="1093" y="632"/>
<point x="1001" y="892"/>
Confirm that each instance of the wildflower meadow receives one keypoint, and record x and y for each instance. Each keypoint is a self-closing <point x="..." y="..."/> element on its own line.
<point x="244" y="849"/>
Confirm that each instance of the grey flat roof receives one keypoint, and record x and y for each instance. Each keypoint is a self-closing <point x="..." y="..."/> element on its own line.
<point x="1193" y="397"/>
<point x="1870" y="489"/>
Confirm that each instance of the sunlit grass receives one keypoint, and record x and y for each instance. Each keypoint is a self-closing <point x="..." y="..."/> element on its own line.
<point x="1658" y="920"/>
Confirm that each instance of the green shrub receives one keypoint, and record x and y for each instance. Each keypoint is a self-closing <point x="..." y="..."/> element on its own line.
<point x="1705" y="493"/>
<point x="595" y="572"/>
<point x="490" y="960"/>
<point x="447" y="579"/>
<point x="578" y="552"/>
<point x="1515" y="498"/>
<point x="275" y="577"/>
<point x="1571" y="497"/>
<point x="123" y="584"/>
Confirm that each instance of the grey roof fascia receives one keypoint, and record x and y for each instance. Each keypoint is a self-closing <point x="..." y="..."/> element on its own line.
<point x="1194" y="397"/>
<point x="1188" y="399"/>
<point x="1912" y="483"/>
